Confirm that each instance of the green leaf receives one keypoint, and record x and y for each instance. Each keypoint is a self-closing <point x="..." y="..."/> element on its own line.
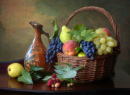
<point x="88" y="34"/>
<point x="69" y="65"/>
<point x="26" y="78"/>
<point x="35" y="76"/>
<point x="69" y="74"/>
<point x="59" y="67"/>
<point x="78" y="49"/>
<point x="76" y="32"/>
<point x="78" y="68"/>
<point x="55" y="26"/>
<point x="35" y="68"/>
<point x="46" y="73"/>
<point x="79" y="28"/>
<point x="56" y="29"/>
<point x="60" y="72"/>
<point x="45" y="79"/>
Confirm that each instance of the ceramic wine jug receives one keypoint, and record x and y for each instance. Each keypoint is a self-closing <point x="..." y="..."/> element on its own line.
<point x="36" y="54"/>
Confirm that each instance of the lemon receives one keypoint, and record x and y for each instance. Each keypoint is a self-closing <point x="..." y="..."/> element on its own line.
<point x="14" y="70"/>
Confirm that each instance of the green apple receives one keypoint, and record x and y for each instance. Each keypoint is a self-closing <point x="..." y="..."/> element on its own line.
<point x="81" y="54"/>
<point x="64" y="36"/>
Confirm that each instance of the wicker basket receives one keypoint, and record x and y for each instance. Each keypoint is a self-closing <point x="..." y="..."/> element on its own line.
<point x="103" y="66"/>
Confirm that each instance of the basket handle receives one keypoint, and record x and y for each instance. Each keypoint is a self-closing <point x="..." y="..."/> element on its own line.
<point x="101" y="10"/>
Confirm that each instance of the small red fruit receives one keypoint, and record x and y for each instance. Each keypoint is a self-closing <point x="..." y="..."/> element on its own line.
<point x="57" y="80"/>
<point x="54" y="76"/>
<point x="57" y="84"/>
<point x="50" y="82"/>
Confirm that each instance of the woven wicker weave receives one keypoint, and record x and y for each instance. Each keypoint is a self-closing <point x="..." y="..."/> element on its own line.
<point x="103" y="66"/>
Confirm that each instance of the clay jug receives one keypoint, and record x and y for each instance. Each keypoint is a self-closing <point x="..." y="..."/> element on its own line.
<point x="36" y="54"/>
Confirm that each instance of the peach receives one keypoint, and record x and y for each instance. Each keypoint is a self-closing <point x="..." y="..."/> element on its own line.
<point x="69" y="47"/>
<point x="107" y="31"/>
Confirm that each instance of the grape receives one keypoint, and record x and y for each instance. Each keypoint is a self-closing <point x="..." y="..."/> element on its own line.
<point x="104" y="52"/>
<point x="103" y="46"/>
<point x="103" y="43"/>
<point x="97" y="46"/>
<point x="99" y="31"/>
<point x="109" y="38"/>
<point x="111" y="51"/>
<point x="110" y="43"/>
<point x="92" y="58"/>
<point x="54" y="47"/>
<point x="115" y="42"/>
<point x="93" y="51"/>
<point x="96" y="41"/>
<point x="104" y="35"/>
<point x="88" y="49"/>
<point x="108" y="49"/>
<point x="99" y="51"/>
<point x="102" y="40"/>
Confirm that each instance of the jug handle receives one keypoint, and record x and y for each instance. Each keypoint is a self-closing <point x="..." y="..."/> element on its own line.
<point x="47" y="34"/>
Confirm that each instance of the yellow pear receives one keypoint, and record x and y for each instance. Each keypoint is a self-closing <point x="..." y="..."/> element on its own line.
<point x="14" y="70"/>
<point x="64" y="36"/>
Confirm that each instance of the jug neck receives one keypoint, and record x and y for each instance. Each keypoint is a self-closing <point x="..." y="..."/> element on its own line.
<point x="37" y="34"/>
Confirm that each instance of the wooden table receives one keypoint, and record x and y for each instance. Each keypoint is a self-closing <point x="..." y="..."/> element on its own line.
<point x="117" y="84"/>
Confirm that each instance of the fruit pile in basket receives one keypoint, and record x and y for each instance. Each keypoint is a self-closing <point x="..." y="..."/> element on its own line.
<point x="80" y="41"/>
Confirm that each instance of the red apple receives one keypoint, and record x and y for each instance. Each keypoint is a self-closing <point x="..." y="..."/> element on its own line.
<point x="69" y="47"/>
<point x="107" y="31"/>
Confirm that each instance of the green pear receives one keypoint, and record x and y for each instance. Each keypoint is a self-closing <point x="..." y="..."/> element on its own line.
<point x="64" y="36"/>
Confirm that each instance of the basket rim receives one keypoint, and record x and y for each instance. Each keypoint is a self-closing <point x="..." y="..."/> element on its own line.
<point x="97" y="57"/>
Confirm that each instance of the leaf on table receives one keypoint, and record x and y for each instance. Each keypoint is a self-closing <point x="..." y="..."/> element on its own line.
<point x="78" y="68"/>
<point x="59" y="67"/>
<point x="35" y="68"/>
<point x="88" y="34"/>
<point x="45" y="73"/>
<point x="46" y="78"/>
<point x="60" y="72"/>
<point x="35" y="76"/>
<point x="26" y="77"/>
<point x="69" y="65"/>
<point x="69" y="74"/>
<point x="65" y="71"/>
<point x="66" y="66"/>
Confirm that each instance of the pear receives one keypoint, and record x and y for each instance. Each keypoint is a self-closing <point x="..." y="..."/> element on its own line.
<point x="14" y="70"/>
<point x="64" y="36"/>
<point x="81" y="54"/>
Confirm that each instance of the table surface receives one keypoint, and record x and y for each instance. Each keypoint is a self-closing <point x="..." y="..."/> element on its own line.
<point x="118" y="83"/>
